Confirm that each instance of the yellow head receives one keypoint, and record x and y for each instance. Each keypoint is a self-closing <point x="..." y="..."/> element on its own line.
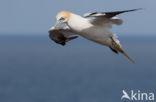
<point x="62" y="17"/>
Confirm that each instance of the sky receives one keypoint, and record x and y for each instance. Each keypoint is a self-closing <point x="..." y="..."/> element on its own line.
<point x="37" y="16"/>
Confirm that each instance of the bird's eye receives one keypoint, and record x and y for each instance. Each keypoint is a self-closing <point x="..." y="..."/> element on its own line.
<point x="62" y="19"/>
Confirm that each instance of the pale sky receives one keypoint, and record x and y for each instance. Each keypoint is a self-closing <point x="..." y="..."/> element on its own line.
<point x="37" y="16"/>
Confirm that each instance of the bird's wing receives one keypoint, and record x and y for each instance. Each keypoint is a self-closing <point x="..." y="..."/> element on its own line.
<point x="61" y="35"/>
<point x="106" y="17"/>
<point x="107" y="14"/>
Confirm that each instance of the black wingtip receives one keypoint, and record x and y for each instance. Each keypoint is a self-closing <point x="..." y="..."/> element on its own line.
<point x="136" y="9"/>
<point x="131" y="10"/>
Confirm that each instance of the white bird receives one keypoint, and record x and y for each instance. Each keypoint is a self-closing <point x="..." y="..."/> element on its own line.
<point x="93" y="26"/>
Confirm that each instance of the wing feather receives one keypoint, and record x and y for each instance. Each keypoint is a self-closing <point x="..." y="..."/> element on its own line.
<point x="106" y="18"/>
<point x="108" y="14"/>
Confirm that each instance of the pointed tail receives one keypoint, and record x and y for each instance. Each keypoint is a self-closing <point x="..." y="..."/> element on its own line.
<point x="117" y="47"/>
<point x="126" y="55"/>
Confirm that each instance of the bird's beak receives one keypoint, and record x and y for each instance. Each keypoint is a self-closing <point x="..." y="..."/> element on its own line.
<point x="57" y="24"/>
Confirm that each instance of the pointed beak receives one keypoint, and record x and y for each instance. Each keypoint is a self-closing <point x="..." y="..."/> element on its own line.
<point x="57" y="24"/>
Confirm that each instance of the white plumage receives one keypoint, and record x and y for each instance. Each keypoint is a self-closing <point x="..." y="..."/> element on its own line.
<point x="93" y="26"/>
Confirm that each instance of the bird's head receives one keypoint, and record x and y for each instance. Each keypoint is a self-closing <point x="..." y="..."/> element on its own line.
<point x="62" y="17"/>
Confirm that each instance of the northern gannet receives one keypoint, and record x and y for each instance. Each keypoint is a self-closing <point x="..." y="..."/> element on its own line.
<point x="92" y="26"/>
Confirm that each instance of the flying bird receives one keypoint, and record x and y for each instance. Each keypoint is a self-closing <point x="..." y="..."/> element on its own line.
<point x="92" y="26"/>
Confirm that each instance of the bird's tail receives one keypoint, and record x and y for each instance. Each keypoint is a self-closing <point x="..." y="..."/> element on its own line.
<point x="117" y="47"/>
<point x="126" y="55"/>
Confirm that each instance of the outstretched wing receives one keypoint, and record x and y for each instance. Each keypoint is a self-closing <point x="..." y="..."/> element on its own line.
<point x="61" y="35"/>
<point x="107" y="14"/>
<point x="106" y="17"/>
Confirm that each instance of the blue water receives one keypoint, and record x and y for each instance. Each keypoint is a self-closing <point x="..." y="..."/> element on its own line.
<point x="34" y="69"/>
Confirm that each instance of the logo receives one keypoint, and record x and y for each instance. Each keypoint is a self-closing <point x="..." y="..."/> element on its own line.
<point x="137" y="95"/>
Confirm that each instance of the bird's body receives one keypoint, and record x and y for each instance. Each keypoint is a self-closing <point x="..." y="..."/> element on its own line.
<point x="97" y="34"/>
<point x="83" y="27"/>
<point x="78" y="23"/>
<point x="96" y="29"/>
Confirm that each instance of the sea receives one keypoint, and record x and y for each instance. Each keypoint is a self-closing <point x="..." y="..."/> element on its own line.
<point x="35" y="69"/>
